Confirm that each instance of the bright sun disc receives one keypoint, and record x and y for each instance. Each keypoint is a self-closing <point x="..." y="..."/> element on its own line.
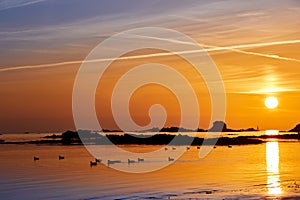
<point x="271" y="102"/>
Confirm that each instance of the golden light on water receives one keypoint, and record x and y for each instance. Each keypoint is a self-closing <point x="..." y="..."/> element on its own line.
<point x="272" y="164"/>
<point x="272" y="132"/>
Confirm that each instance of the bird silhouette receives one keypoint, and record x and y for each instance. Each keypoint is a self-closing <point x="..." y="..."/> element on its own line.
<point x="170" y="159"/>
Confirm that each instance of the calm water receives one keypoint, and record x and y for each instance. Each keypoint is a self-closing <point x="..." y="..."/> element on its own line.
<point x="253" y="171"/>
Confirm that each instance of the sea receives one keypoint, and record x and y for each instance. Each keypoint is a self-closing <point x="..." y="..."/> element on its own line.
<point x="270" y="170"/>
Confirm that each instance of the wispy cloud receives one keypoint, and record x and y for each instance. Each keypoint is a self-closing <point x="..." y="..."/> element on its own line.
<point x="270" y="90"/>
<point x="7" y="4"/>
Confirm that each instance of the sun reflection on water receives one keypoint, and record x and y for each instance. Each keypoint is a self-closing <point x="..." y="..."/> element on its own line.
<point x="272" y="132"/>
<point x="272" y="159"/>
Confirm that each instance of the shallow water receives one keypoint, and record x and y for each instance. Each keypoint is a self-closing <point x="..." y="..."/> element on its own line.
<point x="268" y="170"/>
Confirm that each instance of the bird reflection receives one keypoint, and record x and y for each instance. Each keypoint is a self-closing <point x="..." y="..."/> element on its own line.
<point x="272" y="159"/>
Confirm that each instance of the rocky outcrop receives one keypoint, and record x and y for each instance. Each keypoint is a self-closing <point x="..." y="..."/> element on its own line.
<point x="296" y="129"/>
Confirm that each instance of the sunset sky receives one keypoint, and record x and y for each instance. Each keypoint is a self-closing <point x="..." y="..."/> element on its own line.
<point x="254" y="44"/>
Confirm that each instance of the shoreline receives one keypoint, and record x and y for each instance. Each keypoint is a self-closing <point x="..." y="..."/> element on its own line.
<point x="73" y="138"/>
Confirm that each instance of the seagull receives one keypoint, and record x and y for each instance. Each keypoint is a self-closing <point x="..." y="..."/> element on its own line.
<point x="36" y="158"/>
<point x="170" y="159"/>
<point x="61" y="157"/>
<point x="93" y="163"/>
<point x="131" y="161"/>
<point x="109" y="162"/>
<point x="141" y="160"/>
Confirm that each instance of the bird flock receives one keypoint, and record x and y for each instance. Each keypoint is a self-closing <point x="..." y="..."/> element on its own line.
<point x="96" y="161"/>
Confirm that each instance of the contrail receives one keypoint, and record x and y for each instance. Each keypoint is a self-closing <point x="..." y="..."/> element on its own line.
<point x="217" y="48"/>
<point x="40" y="66"/>
<point x="256" y="54"/>
<point x="235" y="48"/>
<point x="260" y="44"/>
<point x="211" y="49"/>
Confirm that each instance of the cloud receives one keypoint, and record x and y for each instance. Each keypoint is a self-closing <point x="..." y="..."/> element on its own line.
<point x="270" y="90"/>
<point x="8" y="4"/>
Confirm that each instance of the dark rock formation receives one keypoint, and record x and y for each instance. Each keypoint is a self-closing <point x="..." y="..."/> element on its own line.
<point x="218" y="126"/>
<point x="69" y="137"/>
<point x="296" y="129"/>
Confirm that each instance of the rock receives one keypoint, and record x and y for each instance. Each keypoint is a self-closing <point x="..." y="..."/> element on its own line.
<point x="296" y="129"/>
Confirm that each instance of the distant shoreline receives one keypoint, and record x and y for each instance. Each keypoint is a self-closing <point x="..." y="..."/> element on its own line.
<point x="218" y="126"/>
<point x="86" y="137"/>
<point x="166" y="138"/>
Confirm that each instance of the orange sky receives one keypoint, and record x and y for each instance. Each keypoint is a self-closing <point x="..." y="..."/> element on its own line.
<point x="260" y="58"/>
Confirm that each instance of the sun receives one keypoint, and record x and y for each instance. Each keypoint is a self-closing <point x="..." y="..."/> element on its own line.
<point x="271" y="102"/>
